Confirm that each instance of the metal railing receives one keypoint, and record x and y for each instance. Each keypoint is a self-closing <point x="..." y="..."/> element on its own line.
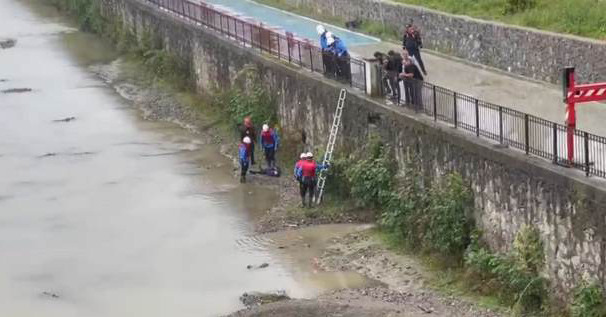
<point x="511" y="128"/>
<point x="508" y="127"/>
<point x="282" y="45"/>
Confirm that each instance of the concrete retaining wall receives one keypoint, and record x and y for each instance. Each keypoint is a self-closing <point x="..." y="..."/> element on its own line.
<point x="523" y="51"/>
<point x="510" y="189"/>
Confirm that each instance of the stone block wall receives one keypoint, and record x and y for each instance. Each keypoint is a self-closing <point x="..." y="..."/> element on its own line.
<point x="510" y="189"/>
<point x="522" y="51"/>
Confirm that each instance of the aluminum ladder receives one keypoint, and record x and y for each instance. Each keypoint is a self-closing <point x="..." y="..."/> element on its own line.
<point x="332" y="139"/>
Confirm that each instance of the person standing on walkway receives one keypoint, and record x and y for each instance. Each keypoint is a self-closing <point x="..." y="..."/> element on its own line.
<point x="342" y="57"/>
<point x="413" y="84"/>
<point x="309" y="171"/>
<point x="327" y="54"/>
<point x="270" y="143"/>
<point x="383" y="63"/>
<point x="244" y="156"/>
<point x="247" y="129"/>
<point x="412" y="43"/>
<point x="394" y="68"/>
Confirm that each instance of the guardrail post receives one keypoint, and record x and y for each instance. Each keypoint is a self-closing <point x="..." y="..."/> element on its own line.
<point x="456" y="119"/>
<point x="269" y="41"/>
<point x="252" y="41"/>
<point x="555" y="143"/>
<point x="350" y="76"/>
<point x="236" y="29"/>
<point x="311" y="59"/>
<point x="435" y="103"/>
<point x="221" y="23"/>
<point x="365" y="82"/>
<point x="526" y="133"/>
<point x="300" y="59"/>
<point x="279" y="51"/>
<point x="586" y="135"/>
<point x="477" y="103"/>
<point x="501" y="124"/>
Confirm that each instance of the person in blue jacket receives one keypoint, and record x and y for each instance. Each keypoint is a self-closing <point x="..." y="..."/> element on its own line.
<point x="270" y="143"/>
<point x="244" y="150"/>
<point x="328" y="57"/>
<point x="298" y="172"/>
<point x="339" y="49"/>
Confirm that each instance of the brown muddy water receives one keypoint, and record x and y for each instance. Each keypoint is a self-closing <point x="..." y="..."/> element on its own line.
<point x="115" y="215"/>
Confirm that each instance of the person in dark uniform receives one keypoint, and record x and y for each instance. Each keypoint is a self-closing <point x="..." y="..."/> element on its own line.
<point x="394" y="68"/>
<point x="412" y="43"/>
<point x="413" y="84"/>
<point x="383" y="61"/>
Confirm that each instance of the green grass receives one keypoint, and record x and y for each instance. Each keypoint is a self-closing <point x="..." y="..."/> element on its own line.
<point x="579" y="17"/>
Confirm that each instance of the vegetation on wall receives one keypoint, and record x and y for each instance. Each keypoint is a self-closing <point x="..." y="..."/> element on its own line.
<point x="588" y="301"/>
<point x="513" y="277"/>
<point x="435" y="219"/>
<point x="86" y="11"/>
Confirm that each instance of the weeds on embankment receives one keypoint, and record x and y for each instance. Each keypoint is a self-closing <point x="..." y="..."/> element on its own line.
<point x="434" y="220"/>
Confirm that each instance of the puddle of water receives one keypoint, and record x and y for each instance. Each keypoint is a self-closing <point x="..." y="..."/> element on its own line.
<point x="300" y="250"/>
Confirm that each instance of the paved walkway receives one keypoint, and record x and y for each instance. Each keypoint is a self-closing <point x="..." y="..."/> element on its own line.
<point x="541" y="100"/>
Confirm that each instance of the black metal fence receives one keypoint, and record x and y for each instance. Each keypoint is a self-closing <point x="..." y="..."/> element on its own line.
<point x="282" y="45"/>
<point x="505" y="126"/>
<point x="512" y="128"/>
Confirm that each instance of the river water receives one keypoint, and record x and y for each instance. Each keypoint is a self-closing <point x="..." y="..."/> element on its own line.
<point x="115" y="215"/>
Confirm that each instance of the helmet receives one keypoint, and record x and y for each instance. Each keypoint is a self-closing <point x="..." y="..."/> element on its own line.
<point x="320" y="29"/>
<point x="265" y="128"/>
<point x="247" y="122"/>
<point x="329" y="38"/>
<point x="303" y="155"/>
<point x="246" y="140"/>
<point x="309" y="155"/>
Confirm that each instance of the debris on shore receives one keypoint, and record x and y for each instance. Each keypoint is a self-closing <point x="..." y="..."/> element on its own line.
<point x="7" y="43"/>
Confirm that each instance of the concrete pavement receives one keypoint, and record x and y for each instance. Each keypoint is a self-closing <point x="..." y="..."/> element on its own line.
<point x="539" y="99"/>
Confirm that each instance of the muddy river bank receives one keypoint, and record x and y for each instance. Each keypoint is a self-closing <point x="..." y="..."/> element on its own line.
<point x="119" y="199"/>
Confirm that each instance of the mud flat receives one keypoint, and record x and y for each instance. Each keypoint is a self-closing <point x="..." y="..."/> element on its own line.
<point x="338" y="249"/>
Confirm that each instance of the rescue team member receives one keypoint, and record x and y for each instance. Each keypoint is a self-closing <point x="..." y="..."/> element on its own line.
<point x="339" y="49"/>
<point x="244" y="155"/>
<point x="248" y="130"/>
<point x="270" y="142"/>
<point x="327" y="55"/>
<point x="297" y="171"/>
<point x="309" y="171"/>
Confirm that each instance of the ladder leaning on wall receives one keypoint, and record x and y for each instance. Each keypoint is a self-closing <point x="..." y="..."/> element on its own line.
<point x="332" y="139"/>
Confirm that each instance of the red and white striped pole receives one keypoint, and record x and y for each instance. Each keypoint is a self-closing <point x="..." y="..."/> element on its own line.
<point x="574" y="94"/>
